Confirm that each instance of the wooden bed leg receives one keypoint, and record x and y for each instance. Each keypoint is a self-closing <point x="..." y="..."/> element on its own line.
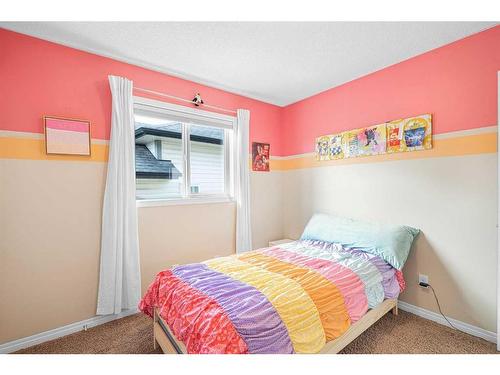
<point x="395" y="310"/>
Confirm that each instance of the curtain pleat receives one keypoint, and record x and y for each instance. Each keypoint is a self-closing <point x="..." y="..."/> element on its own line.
<point x="119" y="276"/>
<point x="242" y="182"/>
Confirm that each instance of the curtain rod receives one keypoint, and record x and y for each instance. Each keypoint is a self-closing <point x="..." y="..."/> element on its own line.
<point x="183" y="100"/>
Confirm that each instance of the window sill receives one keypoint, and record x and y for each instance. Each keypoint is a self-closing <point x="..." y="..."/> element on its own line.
<point x="179" y="202"/>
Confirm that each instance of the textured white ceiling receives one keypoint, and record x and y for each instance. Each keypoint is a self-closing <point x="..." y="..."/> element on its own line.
<point x="276" y="62"/>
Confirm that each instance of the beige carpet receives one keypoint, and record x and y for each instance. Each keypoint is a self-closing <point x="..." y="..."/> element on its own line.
<point x="405" y="333"/>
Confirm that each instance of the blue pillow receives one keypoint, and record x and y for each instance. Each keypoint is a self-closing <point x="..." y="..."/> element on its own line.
<point x="390" y="242"/>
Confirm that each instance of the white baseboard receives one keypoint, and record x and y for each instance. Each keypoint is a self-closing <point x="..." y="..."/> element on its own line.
<point x="25" y="342"/>
<point x="438" y="318"/>
<point x="55" y="333"/>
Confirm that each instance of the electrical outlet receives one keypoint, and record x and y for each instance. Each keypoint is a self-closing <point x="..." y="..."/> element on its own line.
<point x="423" y="279"/>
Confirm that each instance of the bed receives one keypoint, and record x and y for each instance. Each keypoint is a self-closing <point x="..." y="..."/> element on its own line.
<point x="314" y="295"/>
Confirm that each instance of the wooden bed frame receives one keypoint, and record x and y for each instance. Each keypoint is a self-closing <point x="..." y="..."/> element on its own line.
<point x="170" y="345"/>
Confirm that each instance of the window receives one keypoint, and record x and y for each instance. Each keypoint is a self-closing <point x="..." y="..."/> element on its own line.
<point x="181" y="153"/>
<point x="207" y="160"/>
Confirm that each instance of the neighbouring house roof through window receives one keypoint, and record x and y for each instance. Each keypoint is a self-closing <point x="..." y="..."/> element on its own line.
<point x="198" y="133"/>
<point x="147" y="166"/>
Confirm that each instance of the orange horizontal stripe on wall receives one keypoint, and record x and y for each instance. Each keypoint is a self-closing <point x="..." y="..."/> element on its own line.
<point x="34" y="149"/>
<point x="458" y="146"/>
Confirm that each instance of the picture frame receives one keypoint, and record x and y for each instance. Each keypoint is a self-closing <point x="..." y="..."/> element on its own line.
<point x="67" y="136"/>
<point x="260" y="156"/>
<point x="402" y="135"/>
<point x="410" y="134"/>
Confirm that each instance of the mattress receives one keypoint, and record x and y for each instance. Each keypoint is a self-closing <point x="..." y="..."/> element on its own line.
<point x="290" y="298"/>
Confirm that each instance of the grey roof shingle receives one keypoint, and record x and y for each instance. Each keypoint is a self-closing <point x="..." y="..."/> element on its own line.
<point x="147" y="166"/>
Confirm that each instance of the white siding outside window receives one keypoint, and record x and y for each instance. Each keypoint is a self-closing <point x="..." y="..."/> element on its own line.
<point x="207" y="167"/>
<point x="154" y="188"/>
<point x="207" y="164"/>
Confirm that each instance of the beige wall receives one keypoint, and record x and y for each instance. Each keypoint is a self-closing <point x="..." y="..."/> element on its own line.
<point x="49" y="244"/>
<point x="50" y="213"/>
<point x="50" y="230"/>
<point x="267" y="207"/>
<point x="192" y="233"/>
<point x="453" y="200"/>
<point x="180" y="234"/>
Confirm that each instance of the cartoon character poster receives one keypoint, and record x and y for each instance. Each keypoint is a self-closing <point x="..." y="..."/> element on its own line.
<point x="322" y="148"/>
<point x="372" y="140"/>
<point x="393" y="137"/>
<point x="411" y="134"/>
<point x="352" y="143"/>
<point x="260" y="156"/>
<point x="336" y="146"/>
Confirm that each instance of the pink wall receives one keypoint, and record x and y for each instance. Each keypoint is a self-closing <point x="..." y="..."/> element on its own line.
<point x="457" y="83"/>
<point x="41" y="78"/>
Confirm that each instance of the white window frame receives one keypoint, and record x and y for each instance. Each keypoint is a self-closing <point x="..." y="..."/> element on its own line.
<point x="188" y="115"/>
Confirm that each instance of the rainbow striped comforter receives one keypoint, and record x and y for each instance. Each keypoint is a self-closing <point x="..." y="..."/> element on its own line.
<point x="287" y="299"/>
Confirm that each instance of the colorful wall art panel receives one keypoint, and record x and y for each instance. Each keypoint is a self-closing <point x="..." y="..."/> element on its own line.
<point x="372" y="140"/>
<point x="352" y="143"/>
<point x="67" y="136"/>
<point x="410" y="134"/>
<point x="331" y="147"/>
<point x="322" y="147"/>
<point x="260" y="156"/>
<point x="336" y="148"/>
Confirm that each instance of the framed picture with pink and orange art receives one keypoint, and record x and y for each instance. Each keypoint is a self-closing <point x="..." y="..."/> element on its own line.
<point x="67" y="136"/>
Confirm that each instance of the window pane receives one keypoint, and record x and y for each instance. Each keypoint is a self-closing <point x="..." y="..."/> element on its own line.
<point x="158" y="157"/>
<point x="206" y="160"/>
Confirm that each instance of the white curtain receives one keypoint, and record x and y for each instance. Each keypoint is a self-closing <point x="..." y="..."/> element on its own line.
<point x="119" y="278"/>
<point x="242" y="182"/>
